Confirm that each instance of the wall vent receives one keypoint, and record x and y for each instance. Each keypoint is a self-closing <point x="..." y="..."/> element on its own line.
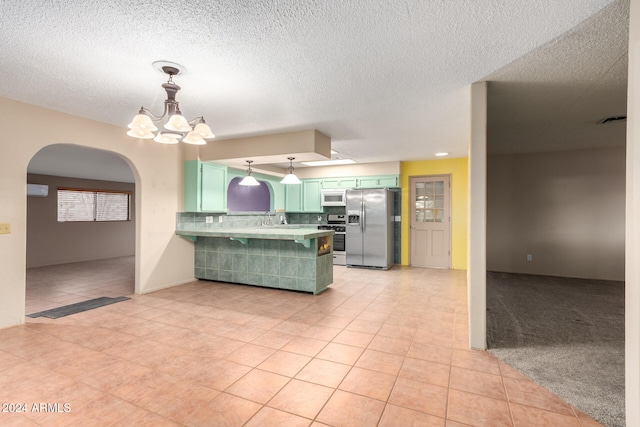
<point x="37" y="190"/>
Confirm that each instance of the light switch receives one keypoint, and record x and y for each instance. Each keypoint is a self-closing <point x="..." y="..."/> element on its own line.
<point x="5" y="228"/>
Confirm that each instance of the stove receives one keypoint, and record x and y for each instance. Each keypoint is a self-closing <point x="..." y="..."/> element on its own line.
<point x="337" y="223"/>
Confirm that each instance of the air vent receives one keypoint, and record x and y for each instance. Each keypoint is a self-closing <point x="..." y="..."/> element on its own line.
<point x="612" y="119"/>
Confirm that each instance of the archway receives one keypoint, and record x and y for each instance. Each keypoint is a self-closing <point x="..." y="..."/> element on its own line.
<point x="70" y="257"/>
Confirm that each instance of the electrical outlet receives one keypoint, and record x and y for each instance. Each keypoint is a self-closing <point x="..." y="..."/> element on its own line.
<point x="208" y="219"/>
<point x="220" y="218"/>
<point x="529" y="257"/>
<point x="5" y="228"/>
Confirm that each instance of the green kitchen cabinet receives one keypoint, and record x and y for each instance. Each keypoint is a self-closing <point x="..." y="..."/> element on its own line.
<point x="340" y="183"/>
<point x="380" y="181"/>
<point x="311" y="193"/>
<point x="304" y="197"/>
<point x="205" y="187"/>
<point x="374" y="181"/>
<point x="293" y="198"/>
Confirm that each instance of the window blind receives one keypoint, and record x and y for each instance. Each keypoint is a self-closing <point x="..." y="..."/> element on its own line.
<point x="76" y="205"/>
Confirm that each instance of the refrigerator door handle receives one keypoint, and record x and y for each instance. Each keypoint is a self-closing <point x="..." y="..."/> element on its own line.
<point x="364" y="218"/>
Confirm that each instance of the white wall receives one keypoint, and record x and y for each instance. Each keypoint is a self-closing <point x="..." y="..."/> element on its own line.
<point x="162" y="259"/>
<point x="632" y="274"/>
<point x="566" y="209"/>
<point x="477" y="230"/>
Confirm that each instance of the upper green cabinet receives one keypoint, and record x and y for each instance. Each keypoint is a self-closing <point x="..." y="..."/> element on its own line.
<point x="381" y="181"/>
<point x="331" y="183"/>
<point x="312" y="199"/>
<point x="304" y="197"/>
<point x="293" y="198"/>
<point x="376" y="181"/>
<point x="205" y="187"/>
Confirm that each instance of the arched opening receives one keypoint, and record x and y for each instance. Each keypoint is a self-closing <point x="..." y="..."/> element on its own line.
<point x="241" y="198"/>
<point x="81" y="246"/>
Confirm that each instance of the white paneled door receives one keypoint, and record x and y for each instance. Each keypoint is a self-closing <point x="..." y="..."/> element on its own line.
<point x="430" y="221"/>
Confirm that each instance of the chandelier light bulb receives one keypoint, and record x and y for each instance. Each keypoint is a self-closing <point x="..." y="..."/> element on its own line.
<point x="167" y="138"/>
<point x="194" y="139"/>
<point x="140" y="134"/>
<point x="177" y="123"/>
<point x="204" y="130"/>
<point x="142" y="122"/>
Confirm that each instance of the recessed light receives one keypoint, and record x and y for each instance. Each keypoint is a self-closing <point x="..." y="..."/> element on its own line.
<point x="329" y="162"/>
<point x="442" y="154"/>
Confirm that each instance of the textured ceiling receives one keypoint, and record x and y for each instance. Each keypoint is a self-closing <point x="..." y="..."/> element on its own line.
<point x="386" y="80"/>
<point x="553" y="98"/>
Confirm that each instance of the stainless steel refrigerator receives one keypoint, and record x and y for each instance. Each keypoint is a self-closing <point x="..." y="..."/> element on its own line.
<point x="369" y="230"/>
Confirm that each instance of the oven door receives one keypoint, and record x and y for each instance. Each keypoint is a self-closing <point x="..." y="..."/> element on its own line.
<point x="339" y="255"/>
<point x="338" y="242"/>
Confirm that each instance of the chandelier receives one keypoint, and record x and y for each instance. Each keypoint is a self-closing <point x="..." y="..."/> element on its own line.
<point x="177" y="127"/>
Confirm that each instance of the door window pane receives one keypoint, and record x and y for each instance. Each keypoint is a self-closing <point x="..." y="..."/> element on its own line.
<point x="429" y="215"/>
<point x="429" y="187"/>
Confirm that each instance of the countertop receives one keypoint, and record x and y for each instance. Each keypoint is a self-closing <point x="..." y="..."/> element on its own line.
<point x="269" y="232"/>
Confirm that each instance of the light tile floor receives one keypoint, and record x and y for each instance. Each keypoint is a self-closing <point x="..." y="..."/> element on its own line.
<point x="57" y="285"/>
<point x="378" y="348"/>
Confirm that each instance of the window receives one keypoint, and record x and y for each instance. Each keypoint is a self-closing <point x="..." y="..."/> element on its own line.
<point x="75" y="205"/>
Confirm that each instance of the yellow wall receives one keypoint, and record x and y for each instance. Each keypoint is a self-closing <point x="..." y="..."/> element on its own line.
<point x="458" y="170"/>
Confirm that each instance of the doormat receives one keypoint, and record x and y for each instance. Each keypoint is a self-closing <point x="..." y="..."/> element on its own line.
<point x="78" y="307"/>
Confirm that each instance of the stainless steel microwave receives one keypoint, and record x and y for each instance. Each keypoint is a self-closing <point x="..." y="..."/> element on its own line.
<point x="334" y="197"/>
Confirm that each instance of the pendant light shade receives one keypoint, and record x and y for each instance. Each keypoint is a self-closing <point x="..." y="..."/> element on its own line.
<point x="141" y="134"/>
<point x="249" y="180"/>
<point x="167" y="138"/>
<point x="194" y="139"/>
<point x="291" y="178"/>
<point x="203" y="130"/>
<point x="178" y="123"/>
<point x="142" y="122"/>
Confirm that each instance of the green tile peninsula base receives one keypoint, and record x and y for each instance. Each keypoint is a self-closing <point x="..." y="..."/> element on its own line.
<point x="281" y="264"/>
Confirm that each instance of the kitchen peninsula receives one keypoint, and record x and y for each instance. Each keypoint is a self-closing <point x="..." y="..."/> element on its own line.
<point x="285" y="257"/>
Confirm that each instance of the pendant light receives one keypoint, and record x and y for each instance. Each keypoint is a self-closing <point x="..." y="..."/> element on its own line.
<point x="249" y="180"/>
<point x="290" y="178"/>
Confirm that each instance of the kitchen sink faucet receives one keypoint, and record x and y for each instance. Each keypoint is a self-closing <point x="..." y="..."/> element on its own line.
<point x="267" y="218"/>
